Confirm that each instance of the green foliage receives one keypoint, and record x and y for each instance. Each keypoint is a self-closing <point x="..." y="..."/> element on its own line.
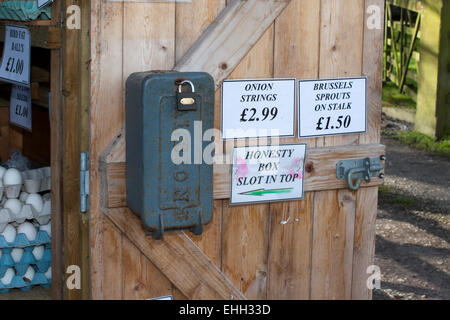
<point x="394" y="97"/>
<point x="422" y="141"/>
<point x="392" y="196"/>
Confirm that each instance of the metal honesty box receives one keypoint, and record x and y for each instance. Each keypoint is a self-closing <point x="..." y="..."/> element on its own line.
<point x="168" y="196"/>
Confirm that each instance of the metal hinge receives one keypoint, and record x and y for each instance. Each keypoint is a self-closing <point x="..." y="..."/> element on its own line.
<point x="84" y="182"/>
<point x="358" y="170"/>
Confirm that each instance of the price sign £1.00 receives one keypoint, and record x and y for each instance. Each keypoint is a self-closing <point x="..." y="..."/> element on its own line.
<point x="331" y="107"/>
<point x="15" y="65"/>
<point x="20" y="107"/>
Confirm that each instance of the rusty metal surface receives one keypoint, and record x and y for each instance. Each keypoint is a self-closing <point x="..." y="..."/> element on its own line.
<point x="167" y="196"/>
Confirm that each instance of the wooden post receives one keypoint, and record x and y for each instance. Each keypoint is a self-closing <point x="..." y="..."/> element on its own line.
<point x="433" y="105"/>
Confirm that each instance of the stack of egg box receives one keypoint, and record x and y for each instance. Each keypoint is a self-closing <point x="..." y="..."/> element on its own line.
<point x="28" y="271"/>
<point x="34" y="181"/>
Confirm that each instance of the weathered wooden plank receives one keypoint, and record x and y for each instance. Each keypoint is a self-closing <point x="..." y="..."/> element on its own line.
<point x="290" y="249"/>
<point x="245" y="248"/>
<point x="141" y="279"/>
<point x="341" y="41"/>
<point x="210" y="241"/>
<point x="106" y="114"/>
<point x="341" y="51"/>
<point x="149" y="44"/>
<point x="245" y="228"/>
<point x="296" y="55"/>
<point x="112" y="267"/>
<point x="56" y="177"/>
<point x="230" y="37"/>
<point x="366" y="198"/>
<point x="334" y="218"/>
<point x="71" y="108"/>
<point x="191" y="20"/>
<point x="320" y="173"/>
<point x="184" y="264"/>
<point x="364" y="241"/>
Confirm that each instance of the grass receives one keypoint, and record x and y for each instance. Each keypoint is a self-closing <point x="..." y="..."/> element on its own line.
<point x="391" y="95"/>
<point x="391" y="196"/>
<point x="422" y="141"/>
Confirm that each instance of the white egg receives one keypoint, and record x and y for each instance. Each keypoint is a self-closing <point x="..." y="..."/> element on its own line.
<point x="47" y="228"/>
<point x="48" y="274"/>
<point x="28" y="230"/>
<point x="12" y="177"/>
<point x="2" y="172"/>
<point x="8" y="277"/>
<point x="17" y="254"/>
<point x="38" y="252"/>
<point x="29" y="275"/>
<point x="9" y="233"/>
<point x="14" y="205"/>
<point x="35" y="201"/>
<point x="23" y="197"/>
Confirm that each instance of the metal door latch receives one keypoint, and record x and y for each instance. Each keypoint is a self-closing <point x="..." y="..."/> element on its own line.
<point x="359" y="169"/>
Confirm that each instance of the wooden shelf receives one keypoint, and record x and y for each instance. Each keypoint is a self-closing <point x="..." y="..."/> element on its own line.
<point x="41" y="23"/>
<point x="47" y="37"/>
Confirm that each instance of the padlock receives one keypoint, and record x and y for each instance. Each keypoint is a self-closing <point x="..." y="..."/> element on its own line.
<point x="186" y="101"/>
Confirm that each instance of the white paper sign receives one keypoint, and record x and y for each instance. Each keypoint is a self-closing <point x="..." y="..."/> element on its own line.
<point x="15" y="66"/>
<point x="258" y="108"/>
<point x="43" y="3"/>
<point x="331" y="107"/>
<point x="20" y="107"/>
<point x="163" y="298"/>
<point x="267" y="173"/>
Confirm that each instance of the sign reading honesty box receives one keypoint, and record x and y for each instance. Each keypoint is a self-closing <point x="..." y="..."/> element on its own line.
<point x="267" y="173"/>
<point x="258" y="108"/>
<point x="331" y="107"/>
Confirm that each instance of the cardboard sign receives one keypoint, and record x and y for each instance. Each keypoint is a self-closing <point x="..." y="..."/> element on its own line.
<point x="15" y="65"/>
<point x="258" y="108"/>
<point x="332" y="107"/>
<point x="267" y="173"/>
<point x="20" y="107"/>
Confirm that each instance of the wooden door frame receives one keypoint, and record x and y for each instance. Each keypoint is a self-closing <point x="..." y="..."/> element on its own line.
<point x="69" y="137"/>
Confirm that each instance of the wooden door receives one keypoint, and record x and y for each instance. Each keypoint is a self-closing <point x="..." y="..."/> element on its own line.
<point x="245" y="252"/>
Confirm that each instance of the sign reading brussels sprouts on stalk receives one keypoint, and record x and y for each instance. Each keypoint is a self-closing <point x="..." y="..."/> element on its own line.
<point x="258" y="108"/>
<point x="267" y="173"/>
<point x="331" y="107"/>
<point x="15" y="65"/>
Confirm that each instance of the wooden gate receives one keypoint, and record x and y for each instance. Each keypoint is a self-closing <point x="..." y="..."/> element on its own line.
<point x="245" y="252"/>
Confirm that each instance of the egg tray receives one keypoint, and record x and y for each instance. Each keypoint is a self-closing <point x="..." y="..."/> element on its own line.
<point x="28" y="259"/>
<point x="18" y="283"/>
<point x="22" y="241"/>
<point x="27" y="213"/>
<point x="34" y="181"/>
<point x="37" y="180"/>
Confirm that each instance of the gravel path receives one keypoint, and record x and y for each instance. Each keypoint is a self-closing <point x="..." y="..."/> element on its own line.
<point x="413" y="225"/>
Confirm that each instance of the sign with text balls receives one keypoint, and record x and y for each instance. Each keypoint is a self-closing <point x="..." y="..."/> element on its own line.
<point x="15" y="65"/>
<point x="332" y="107"/>
<point x="258" y="108"/>
<point x="267" y="173"/>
